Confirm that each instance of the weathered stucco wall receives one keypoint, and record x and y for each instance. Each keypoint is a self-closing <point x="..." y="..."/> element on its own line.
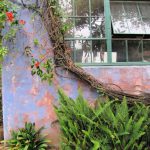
<point x="26" y="98"/>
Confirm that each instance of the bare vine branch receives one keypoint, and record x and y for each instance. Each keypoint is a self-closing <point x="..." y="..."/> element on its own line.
<point x="63" y="58"/>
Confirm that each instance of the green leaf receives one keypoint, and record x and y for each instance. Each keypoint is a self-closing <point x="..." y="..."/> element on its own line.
<point x="96" y="145"/>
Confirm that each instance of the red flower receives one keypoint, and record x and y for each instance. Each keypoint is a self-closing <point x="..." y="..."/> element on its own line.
<point x="37" y="64"/>
<point x="10" y="16"/>
<point x="22" y="22"/>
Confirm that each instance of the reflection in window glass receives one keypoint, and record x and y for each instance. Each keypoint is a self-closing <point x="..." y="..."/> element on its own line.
<point x="97" y="27"/>
<point x="82" y="27"/>
<point x="67" y="6"/>
<point x="81" y="7"/>
<point x="130" y="17"/>
<point x="119" y="51"/>
<point x="97" y="7"/>
<point x="87" y="17"/>
<point x="134" y="50"/>
<point x="87" y="51"/>
<point x="147" y="24"/>
<point x="144" y="9"/>
<point x="146" y="50"/>
<point x="83" y="51"/>
<point x="99" y="51"/>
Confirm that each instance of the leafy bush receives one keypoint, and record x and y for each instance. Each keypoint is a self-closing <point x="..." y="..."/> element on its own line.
<point x="27" y="138"/>
<point x="110" y="125"/>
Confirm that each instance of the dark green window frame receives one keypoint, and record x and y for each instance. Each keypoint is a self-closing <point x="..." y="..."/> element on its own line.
<point x="108" y="38"/>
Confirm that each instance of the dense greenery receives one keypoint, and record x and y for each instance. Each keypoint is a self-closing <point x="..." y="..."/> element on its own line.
<point x="3" y="10"/>
<point x="1" y="117"/>
<point x="109" y="125"/>
<point x="27" y="138"/>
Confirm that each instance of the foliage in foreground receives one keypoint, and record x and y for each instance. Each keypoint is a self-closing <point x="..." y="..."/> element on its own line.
<point x="110" y="125"/>
<point x="27" y="138"/>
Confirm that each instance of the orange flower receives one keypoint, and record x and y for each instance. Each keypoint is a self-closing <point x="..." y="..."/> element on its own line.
<point x="37" y="64"/>
<point x="22" y="22"/>
<point x="10" y="16"/>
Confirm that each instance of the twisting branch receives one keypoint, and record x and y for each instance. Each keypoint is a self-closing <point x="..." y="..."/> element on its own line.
<point x="62" y="55"/>
<point x="63" y="58"/>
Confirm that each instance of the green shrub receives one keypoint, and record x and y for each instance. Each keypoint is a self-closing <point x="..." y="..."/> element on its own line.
<point x="111" y="125"/>
<point x="27" y="138"/>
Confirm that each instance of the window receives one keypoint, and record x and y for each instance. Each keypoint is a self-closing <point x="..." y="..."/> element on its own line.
<point x="131" y="30"/>
<point x="96" y="39"/>
<point x="86" y="36"/>
<point x="130" y="17"/>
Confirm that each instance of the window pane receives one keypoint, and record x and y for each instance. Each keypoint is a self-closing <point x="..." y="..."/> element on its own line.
<point x="120" y="25"/>
<point x="82" y="27"/>
<point x="147" y="25"/>
<point x="145" y="9"/>
<point x="117" y="9"/>
<point x="146" y="50"/>
<point x="119" y="51"/>
<point x="83" y="51"/>
<point x="67" y="6"/>
<point x="135" y="25"/>
<point x="87" y="31"/>
<point x="134" y="51"/>
<point x="130" y="17"/>
<point x="99" y="51"/>
<point x="97" y="8"/>
<point x="118" y="18"/>
<point x="87" y="51"/>
<point x="81" y="7"/>
<point x="131" y="9"/>
<point x="98" y="27"/>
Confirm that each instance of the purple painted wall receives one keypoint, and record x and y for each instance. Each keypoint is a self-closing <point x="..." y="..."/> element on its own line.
<point x="26" y="98"/>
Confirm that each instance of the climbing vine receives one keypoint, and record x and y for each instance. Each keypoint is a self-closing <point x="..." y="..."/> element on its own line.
<point x="8" y="17"/>
<point x="62" y="55"/>
<point x="50" y="12"/>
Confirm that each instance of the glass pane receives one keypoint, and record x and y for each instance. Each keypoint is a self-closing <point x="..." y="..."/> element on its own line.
<point x="130" y="17"/>
<point x="146" y="50"/>
<point x="86" y="22"/>
<point x="135" y="25"/>
<point x="81" y="7"/>
<point x="83" y="51"/>
<point x="131" y="9"/>
<point x="117" y="9"/>
<point x="134" y="51"/>
<point x="97" y="8"/>
<point x="120" y="25"/>
<point x="82" y="27"/>
<point x="118" y="18"/>
<point x="119" y="51"/>
<point x="133" y="18"/>
<point x="145" y="9"/>
<point x="147" y="25"/>
<point x="99" y="51"/>
<point x="67" y="6"/>
<point x="98" y="27"/>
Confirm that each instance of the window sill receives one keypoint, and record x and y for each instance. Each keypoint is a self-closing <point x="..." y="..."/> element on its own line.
<point x="114" y="64"/>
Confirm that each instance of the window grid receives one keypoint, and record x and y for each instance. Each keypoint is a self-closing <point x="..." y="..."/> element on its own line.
<point x="139" y="11"/>
<point x="107" y="36"/>
<point x="74" y="16"/>
<point x="138" y="4"/>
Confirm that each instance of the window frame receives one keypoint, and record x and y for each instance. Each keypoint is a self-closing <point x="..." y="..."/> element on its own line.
<point x="108" y="38"/>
